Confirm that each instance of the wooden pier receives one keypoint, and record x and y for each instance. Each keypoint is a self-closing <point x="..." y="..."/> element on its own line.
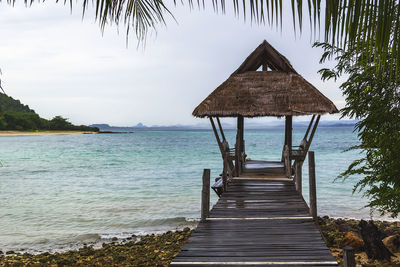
<point x="257" y="221"/>
<point x="261" y="217"/>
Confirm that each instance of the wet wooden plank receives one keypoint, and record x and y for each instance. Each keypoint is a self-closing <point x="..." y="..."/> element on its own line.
<point x="254" y="223"/>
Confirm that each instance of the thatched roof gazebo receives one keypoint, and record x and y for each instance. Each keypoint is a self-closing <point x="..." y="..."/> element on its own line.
<point x="264" y="93"/>
<point x="278" y="90"/>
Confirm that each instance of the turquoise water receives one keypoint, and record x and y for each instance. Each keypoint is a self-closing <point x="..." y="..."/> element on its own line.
<point x="60" y="191"/>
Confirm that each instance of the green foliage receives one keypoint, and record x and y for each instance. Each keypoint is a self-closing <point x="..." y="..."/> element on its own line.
<point x="3" y="123"/>
<point x="16" y="116"/>
<point x="22" y="121"/>
<point x="372" y="96"/>
<point x="59" y="123"/>
<point x="8" y="103"/>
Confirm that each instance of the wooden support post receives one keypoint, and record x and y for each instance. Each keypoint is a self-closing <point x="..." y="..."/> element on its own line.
<point x="288" y="134"/>
<point x="289" y="121"/>
<point x="312" y="185"/>
<point x="241" y="122"/>
<point x="286" y="161"/>
<point x="241" y="142"/>
<point x="225" y="176"/>
<point x="348" y="257"/>
<point x="239" y="145"/>
<point x="298" y="178"/>
<point x="205" y="195"/>
<point x="237" y="157"/>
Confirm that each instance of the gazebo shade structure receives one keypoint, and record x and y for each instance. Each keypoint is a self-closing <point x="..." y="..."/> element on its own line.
<point x="278" y="90"/>
<point x="251" y="93"/>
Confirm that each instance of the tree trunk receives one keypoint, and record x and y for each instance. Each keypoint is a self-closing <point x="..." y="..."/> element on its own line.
<point x="372" y="237"/>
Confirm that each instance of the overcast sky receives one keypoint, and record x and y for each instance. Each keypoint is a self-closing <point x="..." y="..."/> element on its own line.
<point x="59" y="64"/>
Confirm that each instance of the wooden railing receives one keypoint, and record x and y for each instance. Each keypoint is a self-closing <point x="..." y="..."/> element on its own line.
<point x="298" y="180"/>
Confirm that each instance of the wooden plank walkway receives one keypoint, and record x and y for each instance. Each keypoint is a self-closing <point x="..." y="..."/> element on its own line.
<point x="257" y="222"/>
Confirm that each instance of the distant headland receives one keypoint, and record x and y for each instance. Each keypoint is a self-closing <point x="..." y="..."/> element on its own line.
<point x="15" y="116"/>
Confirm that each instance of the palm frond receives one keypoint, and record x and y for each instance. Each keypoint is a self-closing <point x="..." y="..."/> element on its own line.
<point x="346" y="21"/>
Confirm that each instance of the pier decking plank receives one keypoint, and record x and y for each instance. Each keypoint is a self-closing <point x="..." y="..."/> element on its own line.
<point x="257" y="222"/>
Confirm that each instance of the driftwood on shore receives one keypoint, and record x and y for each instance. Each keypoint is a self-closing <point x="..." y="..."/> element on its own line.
<point x="372" y="236"/>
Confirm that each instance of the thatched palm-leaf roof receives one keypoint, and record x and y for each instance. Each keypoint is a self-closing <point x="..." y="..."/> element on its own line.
<point x="265" y="93"/>
<point x="252" y="93"/>
<point x="266" y="55"/>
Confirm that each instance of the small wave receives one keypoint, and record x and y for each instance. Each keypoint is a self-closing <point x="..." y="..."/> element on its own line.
<point x="89" y="238"/>
<point x="164" y="221"/>
<point x="107" y="237"/>
<point x="73" y="242"/>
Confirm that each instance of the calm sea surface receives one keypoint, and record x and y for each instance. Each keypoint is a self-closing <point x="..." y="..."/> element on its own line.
<point x="61" y="191"/>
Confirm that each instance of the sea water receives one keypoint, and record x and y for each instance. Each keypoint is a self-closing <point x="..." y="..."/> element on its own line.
<point x="60" y="191"/>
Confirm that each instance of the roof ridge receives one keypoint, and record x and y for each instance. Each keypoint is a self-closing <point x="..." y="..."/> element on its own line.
<point x="265" y="53"/>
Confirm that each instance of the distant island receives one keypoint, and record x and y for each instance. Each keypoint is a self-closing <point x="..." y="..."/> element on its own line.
<point x="16" y="116"/>
<point x="205" y="126"/>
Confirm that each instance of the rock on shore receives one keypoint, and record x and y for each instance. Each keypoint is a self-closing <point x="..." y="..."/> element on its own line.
<point x="339" y="233"/>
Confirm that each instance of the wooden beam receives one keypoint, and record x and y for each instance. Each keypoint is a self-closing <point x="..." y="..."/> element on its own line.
<point x="241" y="121"/>
<point x="309" y="127"/>
<point x="298" y="177"/>
<point x="205" y="195"/>
<point x="220" y="129"/>
<point x="239" y="148"/>
<point x="237" y="153"/>
<point x="312" y="134"/>
<point x="257" y="218"/>
<point x="348" y="257"/>
<point x="288" y="165"/>
<point x="288" y="133"/>
<point x="312" y="185"/>
<point x="252" y="263"/>
<point x="225" y="175"/>
<point x="221" y="148"/>
<point x="265" y="67"/>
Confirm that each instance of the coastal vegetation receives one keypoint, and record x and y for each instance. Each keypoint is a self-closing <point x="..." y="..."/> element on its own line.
<point x="16" y="116"/>
<point x="372" y="97"/>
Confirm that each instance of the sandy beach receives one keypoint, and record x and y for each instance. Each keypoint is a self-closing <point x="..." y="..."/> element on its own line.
<point x="22" y="133"/>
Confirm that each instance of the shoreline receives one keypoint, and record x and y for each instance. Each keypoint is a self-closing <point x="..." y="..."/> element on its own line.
<point x="160" y="249"/>
<point x="33" y="133"/>
<point x="148" y="250"/>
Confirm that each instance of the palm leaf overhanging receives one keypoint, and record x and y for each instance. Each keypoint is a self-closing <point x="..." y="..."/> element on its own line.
<point x="345" y="20"/>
